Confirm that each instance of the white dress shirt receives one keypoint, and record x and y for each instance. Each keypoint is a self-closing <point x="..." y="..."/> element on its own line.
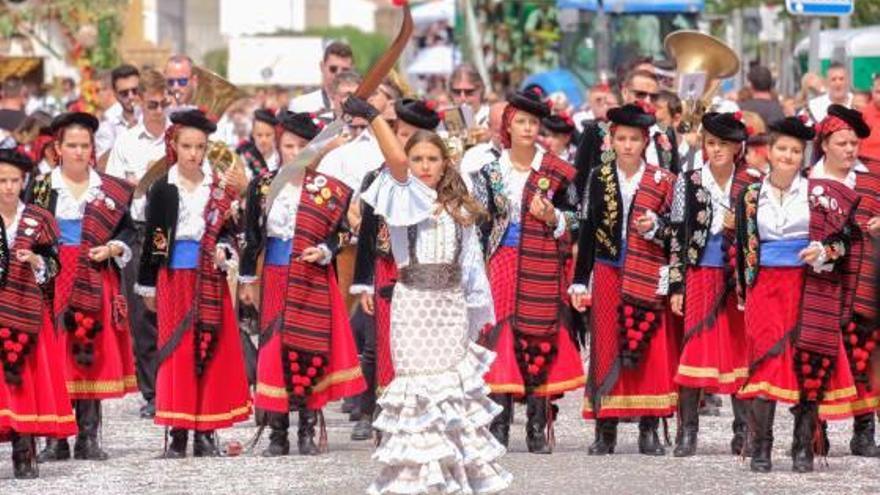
<point x="787" y="220"/>
<point x="133" y="152"/>
<point x="111" y="127"/>
<point x="191" y="205"/>
<point x="352" y="161"/>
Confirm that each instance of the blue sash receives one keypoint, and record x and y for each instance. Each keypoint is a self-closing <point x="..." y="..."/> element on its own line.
<point x="511" y="235"/>
<point x="278" y="251"/>
<point x="713" y="253"/>
<point x="185" y="255"/>
<point x="783" y="253"/>
<point x="71" y="232"/>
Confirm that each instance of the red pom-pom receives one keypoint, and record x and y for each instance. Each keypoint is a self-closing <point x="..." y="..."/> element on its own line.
<point x="317" y="361"/>
<point x="294" y="367"/>
<point x="12" y="357"/>
<point x="203" y="354"/>
<point x="545" y="347"/>
<point x="88" y="322"/>
<point x="870" y="345"/>
<point x="19" y="347"/>
<point x="539" y="361"/>
<point x="311" y="371"/>
<point x="80" y="333"/>
<point x="812" y="395"/>
<point x="7" y="346"/>
<point x="292" y="355"/>
<point x="644" y="326"/>
<point x="628" y="310"/>
<point x="207" y="337"/>
<point x="851" y="327"/>
<point x="203" y="346"/>
<point x="526" y="357"/>
<point x="820" y="373"/>
<point x="805" y="357"/>
<point x="853" y="339"/>
<point x="533" y="369"/>
<point x="78" y="317"/>
<point x="861" y="365"/>
<point x="650" y="316"/>
<point x="23" y="338"/>
<point x="5" y="333"/>
<point x="629" y="323"/>
<point x="631" y="334"/>
<point x="633" y="345"/>
<point x="523" y="344"/>
<point x="826" y="362"/>
<point x="806" y="369"/>
<point x="299" y="390"/>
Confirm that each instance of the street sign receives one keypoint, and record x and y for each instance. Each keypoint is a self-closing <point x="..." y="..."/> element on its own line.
<point x="820" y="7"/>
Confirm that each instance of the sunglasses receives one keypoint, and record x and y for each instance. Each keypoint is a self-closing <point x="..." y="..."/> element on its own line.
<point x="466" y="92"/>
<point x="181" y="82"/>
<point x="156" y="104"/>
<point x="336" y="68"/>
<point x="128" y="93"/>
<point x="644" y="95"/>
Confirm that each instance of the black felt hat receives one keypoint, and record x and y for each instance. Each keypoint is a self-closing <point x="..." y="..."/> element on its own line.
<point x="418" y="113"/>
<point x="84" y="119"/>
<point x="195" y="119"/>
<point x="266" y="116"/>
<point x="530" y="101"/>
<point x="558" y="124"/>
<point x="853" y="118"/>
<point x="302" y="124"/>
<point x="17" y="159"/>
<point x="631" y="116"/>
<point x="725" y="126"/>
<point x="793" y="127"/>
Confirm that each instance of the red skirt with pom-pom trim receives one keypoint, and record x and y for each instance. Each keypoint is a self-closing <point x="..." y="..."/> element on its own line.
<point x="386" y="274"/>
<point x="714" y="353"/>
<point x="39" y="405"/>
<point x="505" y="376"/>
<point x="773" y="308"/>
<point x="343" y="377"/>
<point x="111" y="373"/>
<point x="219" y="397"/>
<point x="645" y="390"/>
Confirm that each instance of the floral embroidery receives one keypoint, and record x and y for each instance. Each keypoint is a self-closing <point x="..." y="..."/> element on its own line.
<point x="612" y="210"/>
<point x="160" y="242"/>
<point x="608" y="156"/>
<point x="42" y="191"/>
<point x="750" y="249"/>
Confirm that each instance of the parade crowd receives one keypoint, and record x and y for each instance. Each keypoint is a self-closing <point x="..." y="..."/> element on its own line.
<point x="433" y="287"/>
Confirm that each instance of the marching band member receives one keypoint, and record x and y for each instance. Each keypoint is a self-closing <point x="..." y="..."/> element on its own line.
<point x="307" y="356"/>
<point x="792" y="236"/>
<point x="33" y="396"/>
<point x="527" y="243"/>
<point x="622" y="245"/>
<point x="201" y="383"/>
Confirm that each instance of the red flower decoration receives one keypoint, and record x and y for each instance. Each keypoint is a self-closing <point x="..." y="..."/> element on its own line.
<point x="738" y="115"/>
<point x="431" y="105"/>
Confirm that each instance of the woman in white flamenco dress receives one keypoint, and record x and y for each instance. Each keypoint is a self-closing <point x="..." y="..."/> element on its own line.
<point x="435" y="413"/>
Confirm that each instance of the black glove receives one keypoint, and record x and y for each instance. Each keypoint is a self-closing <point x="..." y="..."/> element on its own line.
<point x="358" y="107"/>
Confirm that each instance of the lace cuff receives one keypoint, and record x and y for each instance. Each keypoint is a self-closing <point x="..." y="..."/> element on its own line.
<point x="561" y="224"/>
<point x="649" y="235"/>
<point x="41" y="274"/>
<point x="358" y="289"/>
<point x="248" y="279"/>
<point x="328" y="255"/>
<point x="123" y="258"/>
<point x="230" y="260"/>
<point x="822" y="263"/>
<point x="577" y="289"/>
<point x="144" y="291"/>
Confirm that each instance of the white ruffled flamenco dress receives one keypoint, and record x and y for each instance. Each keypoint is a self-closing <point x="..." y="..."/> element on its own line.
<point x="436" y="412"/>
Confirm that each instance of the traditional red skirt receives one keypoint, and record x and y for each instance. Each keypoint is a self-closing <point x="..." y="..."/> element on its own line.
<point x="40" y="405"/>
<point x="867" y="399"/>
<point x="386" y="274"/>
<point x="714" y="353"/>
<point x="219" y="397"/>
<point x="343" y="378"/>
<point x="112" y="372"/>
<point x="773" y="307"/>
<point x="646" y="390"/>
<point x="504" y="377"/>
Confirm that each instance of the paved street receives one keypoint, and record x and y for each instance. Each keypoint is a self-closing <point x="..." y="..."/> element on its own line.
<point x="134" y="445"/>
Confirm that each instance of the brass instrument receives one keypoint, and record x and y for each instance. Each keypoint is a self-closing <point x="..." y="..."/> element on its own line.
<point x="19" y="67"/>
<point x="213" y="95"/>
<point x="695" y="52"/>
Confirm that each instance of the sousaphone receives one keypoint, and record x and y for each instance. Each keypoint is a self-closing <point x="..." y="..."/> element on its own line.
<point x="213" y="95"/>
<point x="698" y="53"/>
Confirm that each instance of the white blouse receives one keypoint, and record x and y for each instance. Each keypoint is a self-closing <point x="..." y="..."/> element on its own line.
<point x="281" y="221"/>
<point x="414" y="203"/>
<point x="515" y="184"/>
<point x="818" y="172"/>
<point x="628" y="189"/>
<point x="191" y="205"/>
<point x="720" y="199"/>
<point x="787" y="220"/>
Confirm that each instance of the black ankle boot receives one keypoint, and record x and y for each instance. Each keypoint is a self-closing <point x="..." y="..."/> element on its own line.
<point x="205" y="444"/>
<point x="24" y="457"/>
<point x="740" y="425"/>
<point x="536" y="424"/>
<point x="805" y="417"/>
<point x="500" y="426"/>
<point x="55" y="450"/>
<point x="278" y="442"/>
<point x="305" y="433"/>
<point x="88" y="419"/>
<point x="649" y="439"/>
<point x="762" y="413"/>
<point x="606" y="437"/>
<point x="862" y="442"/>
<point x="689" y="422"/>
<point x="177" y="447"/>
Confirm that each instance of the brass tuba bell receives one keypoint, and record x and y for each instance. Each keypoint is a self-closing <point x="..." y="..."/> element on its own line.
<point x="695" y="52"/>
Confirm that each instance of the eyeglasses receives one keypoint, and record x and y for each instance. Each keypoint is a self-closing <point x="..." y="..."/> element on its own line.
<point x="644" y="95"/>
<point x="156" y="104"/>
<point x="181" y="82"/>
<point x="127" y="93"/>
<point x="466" y="92"/>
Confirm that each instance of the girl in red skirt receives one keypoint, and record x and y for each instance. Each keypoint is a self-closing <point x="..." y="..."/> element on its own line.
<point x="621" y="246"/>
<point x="201" y="383"/>
<point x="835" y="153"/>
<point x="33" y="397"/>
<point x="527" y="192"/>
<point x="702" y="279"/>
<point x="307" y="355"/>
<point x="792" y="239"/>
<point x="92" y="212"/>
<point x="375" y="271"/>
